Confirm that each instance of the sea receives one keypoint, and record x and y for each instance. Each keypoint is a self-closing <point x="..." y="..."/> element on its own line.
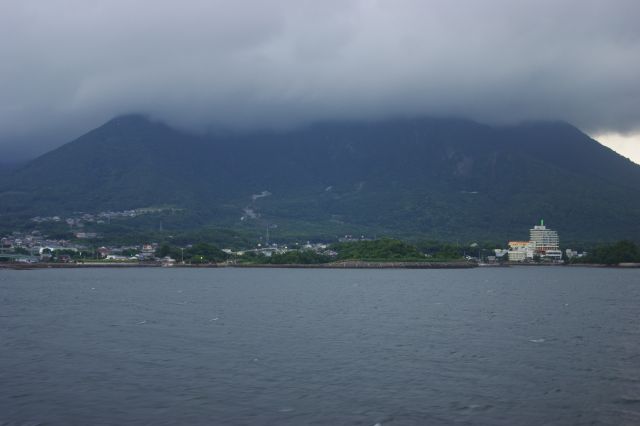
<point x="242" y="346"/>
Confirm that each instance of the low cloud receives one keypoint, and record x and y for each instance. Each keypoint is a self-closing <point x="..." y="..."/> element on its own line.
<point x="627" y="145"/>
<point x="69" y="65"/>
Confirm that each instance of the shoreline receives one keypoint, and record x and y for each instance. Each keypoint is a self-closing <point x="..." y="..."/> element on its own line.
<point x="333" y="265"/>
<point x="364" y="265"/>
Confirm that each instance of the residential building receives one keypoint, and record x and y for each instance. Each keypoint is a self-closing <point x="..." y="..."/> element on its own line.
<point x="520" y="251"/>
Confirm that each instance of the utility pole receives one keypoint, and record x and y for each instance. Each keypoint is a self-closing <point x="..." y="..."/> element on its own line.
<point x="267" y="235"/>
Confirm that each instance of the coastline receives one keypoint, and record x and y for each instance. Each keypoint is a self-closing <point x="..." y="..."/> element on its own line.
<point x="333" y="265"/>
<point x="365" y="265"/>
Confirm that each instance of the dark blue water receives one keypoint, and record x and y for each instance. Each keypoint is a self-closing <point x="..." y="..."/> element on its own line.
<point x="504" y="346"/>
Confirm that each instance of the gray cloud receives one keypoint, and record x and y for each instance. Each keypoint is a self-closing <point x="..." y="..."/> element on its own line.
<point x="69" y="65"/>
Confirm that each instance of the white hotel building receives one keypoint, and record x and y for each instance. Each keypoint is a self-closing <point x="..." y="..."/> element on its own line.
<point x="543" y="242"/>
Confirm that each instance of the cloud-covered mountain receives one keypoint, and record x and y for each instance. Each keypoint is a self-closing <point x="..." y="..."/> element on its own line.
<point x="441" y="178"/>
<point x="68" y="65"/>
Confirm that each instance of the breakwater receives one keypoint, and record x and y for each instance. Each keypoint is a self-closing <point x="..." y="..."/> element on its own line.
<point x="350" y="264"/>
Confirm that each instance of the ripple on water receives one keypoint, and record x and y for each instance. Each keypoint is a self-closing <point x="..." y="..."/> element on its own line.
<point x="290" y="347"/>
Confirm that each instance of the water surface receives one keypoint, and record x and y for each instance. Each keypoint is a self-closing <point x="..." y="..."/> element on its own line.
<point x="503" y="346"/>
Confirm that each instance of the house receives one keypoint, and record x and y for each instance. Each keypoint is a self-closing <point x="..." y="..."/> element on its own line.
<point x="103" y="252"/>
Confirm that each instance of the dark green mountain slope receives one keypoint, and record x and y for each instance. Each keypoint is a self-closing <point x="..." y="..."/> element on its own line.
<point x="422" y="177"/>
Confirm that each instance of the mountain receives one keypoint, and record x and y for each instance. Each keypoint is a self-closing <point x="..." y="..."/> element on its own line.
<point x="432" y="178"/>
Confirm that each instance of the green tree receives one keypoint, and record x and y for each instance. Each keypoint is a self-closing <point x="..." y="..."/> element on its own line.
<point x="203" y="252"/>
<point x="612" y="254"/>
<point x="305" y="257"/>
<point x="377" y="250"/>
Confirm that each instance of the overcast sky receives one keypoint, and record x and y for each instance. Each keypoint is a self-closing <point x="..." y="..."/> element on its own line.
<point x="67" y="66"/>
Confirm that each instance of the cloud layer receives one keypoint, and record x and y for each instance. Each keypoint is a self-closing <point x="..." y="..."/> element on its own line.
<point x="69" y="65"/>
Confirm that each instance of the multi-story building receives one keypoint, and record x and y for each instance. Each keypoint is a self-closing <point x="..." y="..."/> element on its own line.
<point x="547" y="243"/>
<point x="543" y="242"/>
<point x="544" y="239"/>
<point x="519" y="251"/>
